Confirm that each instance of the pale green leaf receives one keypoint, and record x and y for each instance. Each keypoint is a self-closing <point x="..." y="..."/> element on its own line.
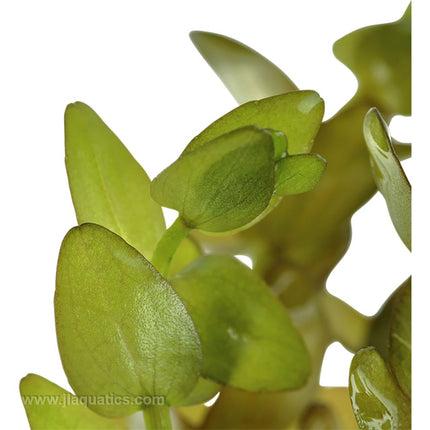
<point x="108" y="186"/>
<point x="248" y="340"/>
<point x="377" y="401"/>
<point x="298" y="173"/>
<point x="297" y="114"/>
<point x="246" y="74"/>
<point x="49" y="406"/>
<point x="121" y="328"/>
<point x="222" y="185"/>
<point x="388" y="174"/>
<point x="400" y="339"/>
<point x="203" y="391"/>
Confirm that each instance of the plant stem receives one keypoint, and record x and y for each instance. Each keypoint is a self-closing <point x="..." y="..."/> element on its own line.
<point x="168" y="244"/>
<point x="346" y="325"/>
<point x="157" y="418"/>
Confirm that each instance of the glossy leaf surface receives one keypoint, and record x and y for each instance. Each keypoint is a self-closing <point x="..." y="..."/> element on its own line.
<point x="108" y="186"/>
<point x="380" y="57"/>
<point x="298" y="115"/>
<point x="388" y="173"/>
<point x="49" y="406"/>
<point x="246" y="73"/>
<point x="400" y="339"/>
<point x="298" y="173"/>
<point x="222" y="185"/>
<point x="121" y="328"/>
<point x="248" y="340"/>
<point x="377" y="400"/>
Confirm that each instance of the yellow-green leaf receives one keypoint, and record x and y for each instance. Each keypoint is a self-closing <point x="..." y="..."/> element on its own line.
<point x="245" y="72"/>
<point x="108" y="186"/>
<point x="248" y="340"/>
<point x="121" y="328"/>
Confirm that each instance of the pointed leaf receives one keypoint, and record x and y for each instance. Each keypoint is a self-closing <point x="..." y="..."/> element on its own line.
<point x="108" y="186"/>
<point x="222" y="185"/>
<point x="121" y="328"/>
<point x="245" y="73"/>
<point x="49" y="406"/>
<point x="380" y="57"/>
<point x="248" y="340"/>
<point x="298" y="173"/>
<point x="298" y="115"/>
<point x="388" y="173"/>
<point x="400" y="339"/>
<point x="377" y="401"/>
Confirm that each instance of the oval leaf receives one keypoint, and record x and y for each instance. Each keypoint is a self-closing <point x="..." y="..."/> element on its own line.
<point x="246" y="74"/>
<point x="400" y="339"/>
<point x="388" y="173"/>
<point x="298" y="173"/>
<point x="49" y="406"/>
<point x="108" y="186"/>
<point x="222" y="185"/>
<point x="121" y="328"/>
<point x="298" y="115"/>
<point x="377" y="401"/>
<point x="248" y="340"/>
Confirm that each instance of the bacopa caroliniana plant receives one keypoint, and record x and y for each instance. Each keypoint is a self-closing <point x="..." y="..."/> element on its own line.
<point x="160" y="321"/>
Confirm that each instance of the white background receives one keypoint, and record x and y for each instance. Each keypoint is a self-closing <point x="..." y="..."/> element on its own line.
<point x="133" y="63"/>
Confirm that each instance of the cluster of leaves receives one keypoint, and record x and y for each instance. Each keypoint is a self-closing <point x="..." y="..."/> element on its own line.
<point x="145" y="312"/>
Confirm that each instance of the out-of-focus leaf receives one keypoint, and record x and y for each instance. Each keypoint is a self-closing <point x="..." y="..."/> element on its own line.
<point x="400" y="339"/>
<point x="377" y="400"/>
<point x="121" y="328"/>
<point x="49" y="406"/>
<point x="388" y="173"/>
<point x="298" y="173"/>
<point x="222" y="185"/>
<point x="186" y="253"/>
<point x="108" y="186"/>
<point x="380" y="57"/>
<point x="248" y="340"/>
<point x="246" y="73"/>
<point x="298" y="115"/>
<point x="203" y="391"/>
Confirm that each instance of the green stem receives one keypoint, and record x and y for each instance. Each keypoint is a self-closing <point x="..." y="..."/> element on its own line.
<point x="168" y="244"/>
<point x="345" y="324"/>
<point x="157" y="418"/>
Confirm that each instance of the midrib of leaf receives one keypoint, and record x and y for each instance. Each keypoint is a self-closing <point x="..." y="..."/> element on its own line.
<point x="402" y="341"/>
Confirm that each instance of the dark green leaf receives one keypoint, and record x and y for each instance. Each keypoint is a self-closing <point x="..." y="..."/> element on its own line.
<point x="388" y="173"/>
<point x="108" y="186"/>
<point x="400" y="339"/>
<point x="246" y="73"/>
<point x="377" y="401"/>
<point x="298" y="115"/>
<point x="380" y="57"/>
<point x="222" y="185"/>
<point x="121" y="328"/>
<point x="298" y="173"/>
<point x="248" y="340"/>
<point x="49" y="406"/>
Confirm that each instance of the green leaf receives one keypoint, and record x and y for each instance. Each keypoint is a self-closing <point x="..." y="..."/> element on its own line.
<point x="377" y="401"/>
<point x="49" y="406"/>
<point x="203" y="391"/>
<point x="245" y="73"/>
<point x="248" y="340"/>
<point x="388" y="174"/>
<point x="380" y="57"/>
<point x="108" y="186"/>
<point x="298" y="173"/>
<point x="400" y="339"/>
<point x="298" y="115"/>
<point x="222" y="185"/>
<point x="121" y="328"/>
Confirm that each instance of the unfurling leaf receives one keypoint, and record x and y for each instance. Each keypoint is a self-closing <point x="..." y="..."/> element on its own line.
<point x="248" y="340"/>
<point x="388" y="174"/>
<point x="121" y="328"/>
<point x="246" y="74"/>
<point x="108" y="186"/>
